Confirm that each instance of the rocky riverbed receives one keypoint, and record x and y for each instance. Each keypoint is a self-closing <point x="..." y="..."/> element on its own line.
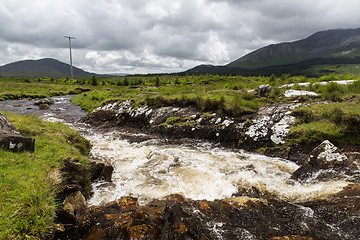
<point x="251" y="212"/>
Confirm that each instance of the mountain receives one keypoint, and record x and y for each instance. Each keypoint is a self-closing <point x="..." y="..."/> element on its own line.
<point x="337" y="46"/>
<point x="46" y="67"/>
<point x="325" y="44"/>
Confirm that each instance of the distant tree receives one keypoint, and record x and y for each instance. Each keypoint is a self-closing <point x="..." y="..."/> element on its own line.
<point x="272" y="78"/>
<point x="157" y="81"/>
<point x="94" y="81"/>
<point x="126" y="82"/>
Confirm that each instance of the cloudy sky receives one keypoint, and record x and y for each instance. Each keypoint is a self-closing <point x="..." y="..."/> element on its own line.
<point x="143" y="36"/>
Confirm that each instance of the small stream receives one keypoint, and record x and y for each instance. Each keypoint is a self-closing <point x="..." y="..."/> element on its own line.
<point x="154" y="168"/>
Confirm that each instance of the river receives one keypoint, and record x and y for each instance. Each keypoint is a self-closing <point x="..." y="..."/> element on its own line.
<point x="152" y="167"/>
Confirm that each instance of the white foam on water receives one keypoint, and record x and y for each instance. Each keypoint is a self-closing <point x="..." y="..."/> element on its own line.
<point x="152" y="169"/>
<point x="50" y="117"/>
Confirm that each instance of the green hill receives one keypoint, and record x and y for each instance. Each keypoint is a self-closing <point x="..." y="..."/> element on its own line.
<point x="46" y="67"/>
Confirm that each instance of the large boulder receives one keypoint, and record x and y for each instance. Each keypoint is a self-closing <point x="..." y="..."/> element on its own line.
<point x="326" y="162"/>
<point x="11" y="139"/>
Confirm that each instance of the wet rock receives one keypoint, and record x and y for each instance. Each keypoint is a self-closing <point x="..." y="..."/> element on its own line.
<point x="101" y="171"/>
<point x="353" y="157"/>
<point x="44" y="106"/>
<point x="325" y="162"/>
<point x="44" y="101"/>
<point x="11" y="139"/>
<point x="341" y="211"/>
<point x="277" y="152"/>
<point x="236" y="218"/>
<point x="292" y="237"/>
<point x="74" y="208"/>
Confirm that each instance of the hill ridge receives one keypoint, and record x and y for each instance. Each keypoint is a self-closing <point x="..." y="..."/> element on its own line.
<point x="44" y="67"/>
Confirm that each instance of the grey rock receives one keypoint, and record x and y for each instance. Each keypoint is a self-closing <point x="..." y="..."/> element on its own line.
<point x="263" y="90"/>
<point x="11" y="139"/>
<point x="44" y="101"/>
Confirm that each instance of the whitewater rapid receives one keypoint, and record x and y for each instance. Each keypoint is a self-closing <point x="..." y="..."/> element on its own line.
<point x="196" y="170"/>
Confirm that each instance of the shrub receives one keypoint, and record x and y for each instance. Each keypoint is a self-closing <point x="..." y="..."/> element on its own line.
<point x="94" y="81"/>
<point x="126" y="82"/>
<point x="157" y="81"/>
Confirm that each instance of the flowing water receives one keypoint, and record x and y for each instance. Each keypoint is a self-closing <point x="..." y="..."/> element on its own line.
<point x="197" y="170"/>
<point x="154" y="168"/>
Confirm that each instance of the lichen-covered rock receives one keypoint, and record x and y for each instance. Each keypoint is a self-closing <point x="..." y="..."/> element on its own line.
<point x="270" y="125"/>
<point x="326" y="162"/>
<point x="11" y="139"/>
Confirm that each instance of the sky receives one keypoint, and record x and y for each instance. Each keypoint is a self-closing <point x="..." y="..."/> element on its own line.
<point x="162" y="36"/>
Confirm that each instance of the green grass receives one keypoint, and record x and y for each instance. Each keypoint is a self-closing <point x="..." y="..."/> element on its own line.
<point x="26" y="88"/>
<point x="343" y="69"/>
<point x="337" y="122"/>
<point x="31" y="182"/>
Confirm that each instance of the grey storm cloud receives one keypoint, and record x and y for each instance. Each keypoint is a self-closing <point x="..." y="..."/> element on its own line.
<point x="140" y="36"/>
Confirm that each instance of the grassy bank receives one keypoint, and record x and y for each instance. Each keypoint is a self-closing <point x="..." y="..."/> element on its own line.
<point x="224" y="94"/>
<point x="17" y="88"/>
<point x="30" y="182"/>
<point x="337" y="122"/>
